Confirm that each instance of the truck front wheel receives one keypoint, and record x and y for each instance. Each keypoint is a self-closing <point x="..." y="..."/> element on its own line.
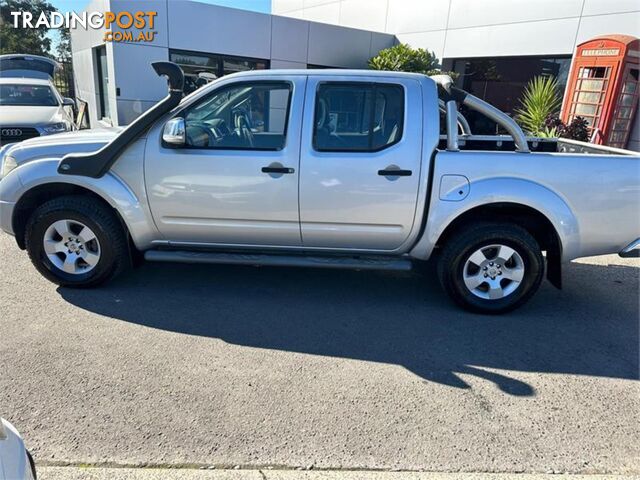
<point x="76" y="241"/>
<point x="491" y="267"/>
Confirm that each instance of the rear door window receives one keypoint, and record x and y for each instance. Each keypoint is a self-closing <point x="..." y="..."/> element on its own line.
<point x="358" y="117"/>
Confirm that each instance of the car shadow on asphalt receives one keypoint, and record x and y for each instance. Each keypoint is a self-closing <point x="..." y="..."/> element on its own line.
<point x="590" y="328"/>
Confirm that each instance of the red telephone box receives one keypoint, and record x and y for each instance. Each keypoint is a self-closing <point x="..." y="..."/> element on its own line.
<point x="603" y="88"/>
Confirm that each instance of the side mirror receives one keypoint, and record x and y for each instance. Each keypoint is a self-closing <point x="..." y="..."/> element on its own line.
<point x="174" y="132"/>
<point x="68" y="102"/>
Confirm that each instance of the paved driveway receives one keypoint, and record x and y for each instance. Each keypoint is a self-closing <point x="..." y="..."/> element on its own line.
<point x="190" y="365"/>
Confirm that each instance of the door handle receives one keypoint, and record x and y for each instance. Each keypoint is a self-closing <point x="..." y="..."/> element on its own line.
<point x="395" y="172"/>
<point x="280" y="170"/>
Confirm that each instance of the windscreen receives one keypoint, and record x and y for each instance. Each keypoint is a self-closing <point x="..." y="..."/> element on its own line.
<point x="27" y="95"/>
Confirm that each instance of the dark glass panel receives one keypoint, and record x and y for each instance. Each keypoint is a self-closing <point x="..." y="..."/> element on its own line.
<point x="501" y="81"/>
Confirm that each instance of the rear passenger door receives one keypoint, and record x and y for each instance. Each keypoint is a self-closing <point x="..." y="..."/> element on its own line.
<point x="360" y="162"/>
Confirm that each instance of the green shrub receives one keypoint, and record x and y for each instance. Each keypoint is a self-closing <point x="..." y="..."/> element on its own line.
<point x="403" y="58"/>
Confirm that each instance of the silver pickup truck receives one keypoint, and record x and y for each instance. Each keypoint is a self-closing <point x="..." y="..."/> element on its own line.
<point x="333" y="169"/>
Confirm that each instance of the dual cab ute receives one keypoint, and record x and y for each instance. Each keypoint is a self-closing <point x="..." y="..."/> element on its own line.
<point x="334" y="169"/>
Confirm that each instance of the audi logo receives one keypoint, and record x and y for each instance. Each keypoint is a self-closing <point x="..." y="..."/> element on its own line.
<point x="11" y="132"/>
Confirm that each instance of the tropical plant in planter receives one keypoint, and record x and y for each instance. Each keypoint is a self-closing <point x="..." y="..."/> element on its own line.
<point x="540" y="101"/>
<point x="538" y="113"/>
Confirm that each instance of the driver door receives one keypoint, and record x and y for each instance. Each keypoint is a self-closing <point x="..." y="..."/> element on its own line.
<point x="235" y="182"/>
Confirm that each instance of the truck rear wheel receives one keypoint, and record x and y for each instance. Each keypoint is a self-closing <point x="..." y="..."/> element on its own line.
<point x="76" y="241"/>
<point x="491" y="267"/>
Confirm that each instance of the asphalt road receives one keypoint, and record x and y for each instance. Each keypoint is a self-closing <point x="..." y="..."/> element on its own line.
<point x="189" y="365"/>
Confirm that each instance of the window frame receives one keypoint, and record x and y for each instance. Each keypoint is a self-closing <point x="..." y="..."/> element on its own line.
<point x="221" y="89"/>
<point x="373" y="86"/>
<point x="103" y="83"/>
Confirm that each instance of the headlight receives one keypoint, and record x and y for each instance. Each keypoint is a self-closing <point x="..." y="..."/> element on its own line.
<point x="8" y="164"/>
<point x="55" y="128"/>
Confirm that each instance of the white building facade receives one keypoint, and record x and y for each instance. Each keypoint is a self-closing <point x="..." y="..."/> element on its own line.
<point x="477" y="28"/>
<point x="116" y="79"/>
<point x="496" y="46"/>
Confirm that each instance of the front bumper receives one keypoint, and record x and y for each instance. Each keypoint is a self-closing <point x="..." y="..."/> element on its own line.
<point x="6" y="216"/>
<point x="10" y="191"/>
<point x="15" y="460"/>
<point x="9" y="135"/>
<point x="632" y="250"/>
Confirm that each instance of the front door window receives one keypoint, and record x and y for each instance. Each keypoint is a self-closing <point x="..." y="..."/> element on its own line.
<point x="245" y="116"/>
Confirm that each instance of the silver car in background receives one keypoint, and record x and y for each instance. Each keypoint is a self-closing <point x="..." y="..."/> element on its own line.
<point x="30" y="104"/>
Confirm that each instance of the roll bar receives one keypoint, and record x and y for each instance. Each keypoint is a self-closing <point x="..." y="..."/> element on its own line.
<point x="463" y="124"/>
<point x="451" y="96"/>
<point x="96" y="164"/>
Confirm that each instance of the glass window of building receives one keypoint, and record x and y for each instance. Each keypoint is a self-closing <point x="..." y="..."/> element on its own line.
<point x="501" y="82"/>
<point x="311" y="66"/>
<point x="212" y="66"/>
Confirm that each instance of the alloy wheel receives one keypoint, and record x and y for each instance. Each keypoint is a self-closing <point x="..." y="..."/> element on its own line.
<point x="493" y="272"/>
<point x="71" y="246"/>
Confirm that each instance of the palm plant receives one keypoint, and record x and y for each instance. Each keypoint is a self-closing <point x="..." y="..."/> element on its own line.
<point x="541" y="99"/>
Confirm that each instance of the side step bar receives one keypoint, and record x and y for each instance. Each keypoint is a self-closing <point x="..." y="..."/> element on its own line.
<point x="358" y="263"/>
<point x="632" y="250"/>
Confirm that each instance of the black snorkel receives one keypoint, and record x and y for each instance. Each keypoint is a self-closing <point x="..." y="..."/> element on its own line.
<point x="96" y="164"/>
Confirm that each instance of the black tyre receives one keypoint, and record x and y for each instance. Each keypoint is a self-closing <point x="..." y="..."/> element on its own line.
<point x="76" y="241"/>
<point x="32" y="465"/>
<point x="491" y="267"/>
